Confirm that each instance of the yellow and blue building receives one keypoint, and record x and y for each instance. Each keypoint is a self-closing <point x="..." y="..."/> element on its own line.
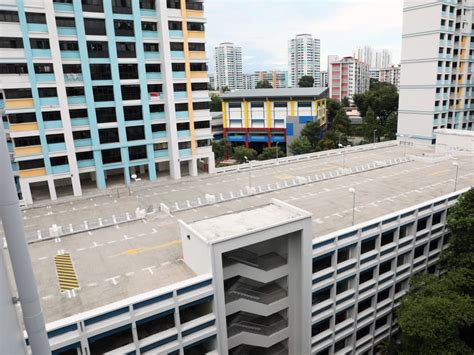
<point x="263" y="117"/>
<point x="93" y="91"/>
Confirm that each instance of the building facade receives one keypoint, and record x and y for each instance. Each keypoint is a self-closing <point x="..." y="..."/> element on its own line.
<point x="348" y="77"/>
<point x="277" y="78"/>
<point x="376" y="58"/>
<point x="228" y="66"/>
<point x="390" y="75"/>
<point x="338" y="291"/>
<point x="262" y="117"/>
<point x="94" y="90"/>
<point x="304" y="58"/>
<point x="250" y="81"/>
<point x="324" y="79"/>
<point x="436" y="83"/>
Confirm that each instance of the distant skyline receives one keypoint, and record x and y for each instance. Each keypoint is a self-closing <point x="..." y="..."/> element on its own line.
<point x="263" y="27"/>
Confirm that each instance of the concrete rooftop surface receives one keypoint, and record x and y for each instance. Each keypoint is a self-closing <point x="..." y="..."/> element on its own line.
<point x="125" y="260"/>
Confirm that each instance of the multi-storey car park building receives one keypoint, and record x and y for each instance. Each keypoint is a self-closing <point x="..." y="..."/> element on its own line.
<point x="262" y="117"/>
<point x="347" y="77"/>
<point x="311" y="272"/>
<point x="304" y="58"/>
<point x="99" y="90"/>
<point x="228" y="66"/>
<point x="436" y="84"/>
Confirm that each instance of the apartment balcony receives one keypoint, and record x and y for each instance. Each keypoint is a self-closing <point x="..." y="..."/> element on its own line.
<point x="79" y="121"/>
<point x="60" y="169"/>
<point x="176" y="34"/>
<point x="154" y="76"/>
<point x="254" y="297"/>
<point x="67" y="31"/>
<point x="41" y="53"/>
<point x="148" y="13"/>
<point x="263" y="268"/>
<point x="53" y="124"/>
<point x="152" y="55"/>
<point x="184" y="134"/>
<point x="45" y="77"/>
<point x="180" y="95"/>
<point x="197" y="55"/>
<point x="157" y="116"/>
<point x="159" y="135"/>
<point x="32" y="172"/>
<point x="177" y="54"/>
<point x="197" y="34"/>
<point x="182" y="114"/>
<point x="73" y="77"/>
<point x="49" y="101"/>
<point x="57" y="147"/>
<point x="248" y="329"/>
<point x="179" y="75"/>
<point x="60" y="7"/>
<point x="183" y="153"/>
<point x="70" y="54"/>
<point x="76" y="100"/>
<point x="87" y="142"/>
<point x="199" y="75"/>
<point x="85" y="163"/>
<point x="28" y="150"/>
<point x="150" y="34"/>
<point x="38" y="27"/>
<point x="161" y="153"/>
<point x="24" y="127"/>
<point x="195" y="13"/>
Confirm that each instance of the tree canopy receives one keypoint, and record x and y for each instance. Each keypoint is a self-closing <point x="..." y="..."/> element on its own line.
<point x="271" y="153"/>
<point x="241" y="152"/>
<point x="264" y="84"/>
<point x="215" y="104"/>
<point x="301" y="145"/>
<point x="306" y="81"/>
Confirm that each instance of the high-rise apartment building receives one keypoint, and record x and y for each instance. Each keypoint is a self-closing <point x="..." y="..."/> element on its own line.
<point x="277" y="78"/>
<point x="324" y="79"/>
<point x="436" y="84"/>
<point x="376" y="58"/>
<point x="96" y="90"/>
<point x="228" y="66"/>
<point x="348" y="77"/>
<point x="304" y="53"/>
<point x="390" y="75"/>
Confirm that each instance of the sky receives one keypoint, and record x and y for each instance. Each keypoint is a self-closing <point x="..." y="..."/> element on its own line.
<point x="262" y="28"/>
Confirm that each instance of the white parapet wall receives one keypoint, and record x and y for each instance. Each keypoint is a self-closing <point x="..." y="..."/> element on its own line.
<point x="454" y="140"/>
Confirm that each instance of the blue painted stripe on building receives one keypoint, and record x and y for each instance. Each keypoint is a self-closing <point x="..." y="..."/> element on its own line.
<point x="86" y="74"/>
<point x="289" y="129"/>
<point x="137" y="24"/>
<point x="34" y="87"/>
<point x="305" y="119"/>
<point x="109" y="25"/>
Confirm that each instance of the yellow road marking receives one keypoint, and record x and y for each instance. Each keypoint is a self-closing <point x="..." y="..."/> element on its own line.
<point x="65" y="272"/>
<point x="440" y="172"/>
<point x="151" y="248"/>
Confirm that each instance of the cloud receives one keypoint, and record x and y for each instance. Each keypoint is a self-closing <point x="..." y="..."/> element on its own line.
<point x="262" y="27"/>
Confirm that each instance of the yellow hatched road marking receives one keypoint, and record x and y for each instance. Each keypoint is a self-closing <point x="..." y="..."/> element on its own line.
<point x="67" y="277"/>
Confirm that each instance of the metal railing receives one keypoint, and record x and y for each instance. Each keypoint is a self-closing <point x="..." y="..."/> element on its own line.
<point x="265" y="294"/>
<point x="265" y="262"/>
<point x="261" y="325"/>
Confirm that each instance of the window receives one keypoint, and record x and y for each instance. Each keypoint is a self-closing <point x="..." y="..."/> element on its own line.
<point x="33" y="17"/>
<point x="55" y="138"/>
<point x="122" y="6"/>
<point x="110" y="156"/>
<point x="158" y="108"/>
<point x="405" y="230"/>
<point x="437" y="218"/>
<point x="158" y="127"/>
<point x="383" y="295"/>
<point x="201" y="105"/>
<point x="147" y="4"/>
<point x="387" y="237"/>
<point x="155" y="324"/>
<point x="81" y="134"/>
<point x="343" y="255"/>
<point x="419" y="251"/>
<point x="195" y="26"/>
<point x="31" y="164"/>
<point x="68" y="46"/>
<point x="366" y="275"/>
<point x="320" y="327"/>
<point x="181" y="107"/>
<point x="385" y="267"/>
<point x="152" y="68"/>
<point x="202" y="124"/>
<point x="199" y="86"/>
<point x="126" y="50"/>
<point x="173" y="4"/>
<point x="56" y="161"/>
<point x="422" y="224"/>
<point x="92" y="5"/>
<point x="84" y="156"/>
<point x="17" y="93"/>
<point x="434" y="244"/>
<point x="130" y="92"/>
<point x="177" y="67"/>
<point x="402" y="259"/>
<point x="191" y="5"/>
<point x="343" y="315"/>
<point x="47" y="92"/>
<point x="149" y="26"/>
<point x="196" y="47"/>
<point x="109" y="135"/>
<point x="137" y="153"/>
<point x="135" y="133"/>
<point x="184" y="145"/>
<point x="321" y="295"/>
<point x="39" y="43"/>
<point x="198" y="66"/>
<point x="367" y="245"/>
<point x="343" y="286"/>
<point x="133" y="113"/>
<point x="95" y="27"/>
<point x="13" y="69"/>
<point x="128" y="71"/>
<point x="183" y="126"/>
<point x="15" y="118"/>
<point x="43" y="68"/>
<point x="75" y="91"/>
<point x="103" y="93"/>
<point x="106" y="115"/>
<point x="9" y="16"/>
<point x="80" y="113"/>
<point x="151" y="47"/>
<point x="65" y="22"/>
<point x="361" y="333"/>
<point x="364" y="305"/>
<point x="27" y="141"/>
<point x="160" y="146"/>
<point x="176" y="46"/>
<point x="97" y="49"/>
<point x="381" y="321"/>
<point x="175" y="26"/>
<point x="11" y="42"/>
<point x="72" y="69"/>
<point x="123" y="28"/>
<point x="51" y="116"/>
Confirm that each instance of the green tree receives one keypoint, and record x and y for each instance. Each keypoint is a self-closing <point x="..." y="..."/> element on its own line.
<point x="271" y="153"/>
<point x="341" y="122"/>
<point x="216" y="103"/>
<point x="390" y="129"/>
<point x="264" y="84"/>
<point x="460" y="253"/>
<point x="369" y="125"/>
<point x="382" y="98"/>
<point x="221" y="149"/>
<point x="306" y="81"/>
<point x="345" y="102"/>
<point x="241" y="152"/>
<point x="312" y="131"/>
<point x="301" y="145"/>
<point x="333" y="106"/>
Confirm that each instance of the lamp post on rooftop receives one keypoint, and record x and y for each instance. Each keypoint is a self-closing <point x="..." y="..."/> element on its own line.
<point x="456" y="164"/>
<point x="353" y="192"/>
<point x="250" y="173"/>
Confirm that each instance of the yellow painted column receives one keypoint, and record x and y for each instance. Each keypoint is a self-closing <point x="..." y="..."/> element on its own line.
<point x="187" y="69"/>
<point x="224" y="114"/>
<point x="292" y="108"/>
<point x="269" y="114"/>
<point x="246" y="114"/>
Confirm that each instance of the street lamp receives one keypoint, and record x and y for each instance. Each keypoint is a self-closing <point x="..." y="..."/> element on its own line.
<point x="276" y="146"/>
<point x="456" y="179"/>
<point x="135" y="178"/>
<point x="375" y="130"/>
<point x="353" y="192"/>
<point x="250" y="172"/>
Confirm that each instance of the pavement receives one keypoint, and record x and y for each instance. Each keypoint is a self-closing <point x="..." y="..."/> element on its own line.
<point x="121" y="261"/>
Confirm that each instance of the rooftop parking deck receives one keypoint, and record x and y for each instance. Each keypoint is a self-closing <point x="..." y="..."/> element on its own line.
<point x="121" y="261"/>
